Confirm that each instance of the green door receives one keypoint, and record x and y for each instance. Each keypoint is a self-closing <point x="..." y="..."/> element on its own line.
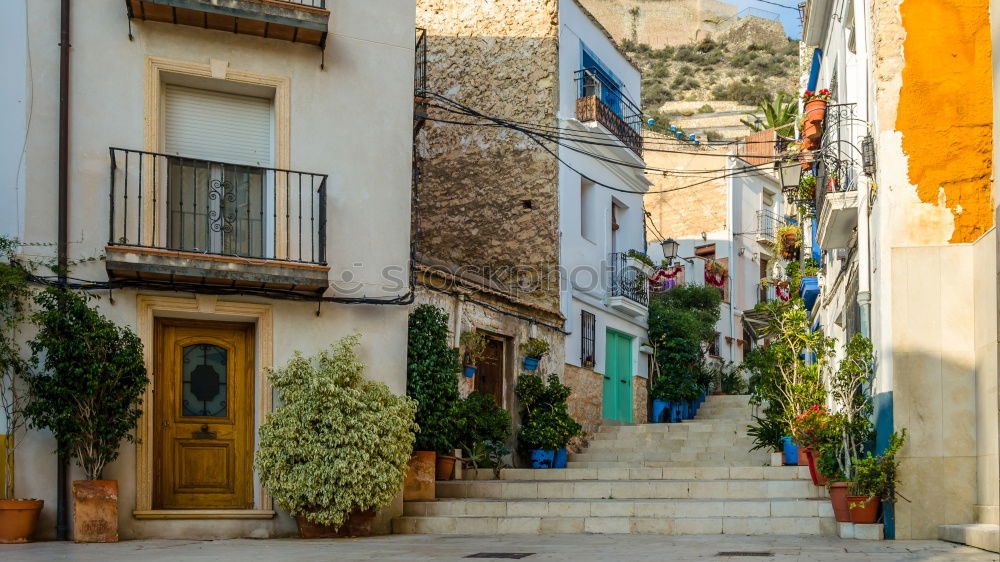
<point x="618" y="377"/>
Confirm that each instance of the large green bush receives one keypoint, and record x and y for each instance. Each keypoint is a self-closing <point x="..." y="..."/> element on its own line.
<point x="681" y="322"/>
<point x="88" y="380"/>
<point x="338" y="444"/>
<point x="432" y="366"/>
<point x="545" y="422"/>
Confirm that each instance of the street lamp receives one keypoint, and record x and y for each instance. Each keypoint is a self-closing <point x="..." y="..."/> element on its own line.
<point x="791" y="173"/>
<point x="670" y="247"/>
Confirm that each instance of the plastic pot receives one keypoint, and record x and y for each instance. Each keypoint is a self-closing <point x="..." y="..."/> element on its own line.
<point x="838" y="498"/>
<point x="18" y="520"/>
<point x="659" y="407"/>
<point x="863" y="509"/>
<point x="541" y="458"/>
<point x="469" y="371"/>
<point x="818" y="477"/>
<point x="560" y="459"/>
<point x="531" y="363"/>
<point x="790" y="450"/>
<point x="445" y="468"/>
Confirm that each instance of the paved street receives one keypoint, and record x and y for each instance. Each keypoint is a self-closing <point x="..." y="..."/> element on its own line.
<point x="578" y="548"/>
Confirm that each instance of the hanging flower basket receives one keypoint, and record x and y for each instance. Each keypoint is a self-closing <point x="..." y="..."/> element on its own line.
<point x="715" y="274"/>
<point x="789" y="241"/>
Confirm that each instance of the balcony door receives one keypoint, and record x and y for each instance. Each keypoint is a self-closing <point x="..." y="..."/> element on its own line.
<point x="219" y="186"/>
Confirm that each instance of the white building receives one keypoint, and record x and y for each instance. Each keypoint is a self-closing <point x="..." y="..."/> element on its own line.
<point x="222" y="158"/>
<point x="601" y="215"/>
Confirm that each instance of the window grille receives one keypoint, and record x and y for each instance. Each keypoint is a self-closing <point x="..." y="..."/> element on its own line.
<point x="589" y="322"/>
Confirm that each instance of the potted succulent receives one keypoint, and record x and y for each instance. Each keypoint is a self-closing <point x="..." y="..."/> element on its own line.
<point x="86" y="388"/>
<point x="546" y="426"/>
<point x="308" y="456"/>
<point x="533" y="350"/>
<point x="431" y="379"/>
<point x="473" y="349"/>
<point x="18" y="516"/>
<point x="768" y="433"/>
<point x="789" y="240"/>
<point x="875" y="481"/>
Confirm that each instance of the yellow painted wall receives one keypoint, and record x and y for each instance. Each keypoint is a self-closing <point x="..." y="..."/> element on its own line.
<point x="945" y="111"/>
<point x="3" y="462"/>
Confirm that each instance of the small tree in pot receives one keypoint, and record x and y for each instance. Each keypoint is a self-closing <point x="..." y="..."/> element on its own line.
<point x="88" y="392"/>
<point x="18" y="517"/>
<point x="336" y="451"/>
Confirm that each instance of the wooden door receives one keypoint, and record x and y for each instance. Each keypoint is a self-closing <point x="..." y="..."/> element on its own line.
<point x="203" y="415"/>
<point x="490" y="372"/>
<point x="617" y="400"/>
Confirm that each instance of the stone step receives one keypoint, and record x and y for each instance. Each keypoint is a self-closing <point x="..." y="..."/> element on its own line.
<point x="979" y="535"/>
<point x="691" y="473"/>
<point x="720" y="444"/>
<point x="661" y="464"/>
<point x="676" y="508"/>
<point x="719" y="456"/>
<point x="488" y="525"/>
<point x="688" y="426"/>
<point x="630" y="489"/>
<point x="665" y="437"/>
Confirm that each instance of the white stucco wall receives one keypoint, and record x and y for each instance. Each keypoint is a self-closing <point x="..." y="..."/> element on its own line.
<point x="15" y="106"/>
<point x="351" y="120"/>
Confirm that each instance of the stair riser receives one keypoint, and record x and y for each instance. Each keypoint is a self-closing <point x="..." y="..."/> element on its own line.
<point x="703" y="473"/>
<point x="615" y="525"/>
<point x="682" y="509"/>
<point x="721" y="489"/>
<point x="720" y="457"/>
<point x="672" y="446"/>
<point x="659" y="464"/>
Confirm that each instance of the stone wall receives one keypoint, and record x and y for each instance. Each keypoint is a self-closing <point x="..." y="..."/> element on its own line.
<point x="752" y="30"/>
<point x="687" y="212"/>
<point x="488" y="196"/>
<point x="661" y="22"/>
<point x="586" y="401"/>
<point x="640" y="400"/>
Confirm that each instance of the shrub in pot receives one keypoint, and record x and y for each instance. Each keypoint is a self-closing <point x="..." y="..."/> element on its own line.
<point x="484" y="428"/>
<point x="18" y="516"/>
<point x="336" y="450"/>
<point x="546" y="426"/>
<point x="533" y="350"/>
<point x="87" y="389"/>
<point x="473" y="349"/>
<point x="768" y="433"/>
<point x="431" y="379"/>
<point x="875" y="480"/>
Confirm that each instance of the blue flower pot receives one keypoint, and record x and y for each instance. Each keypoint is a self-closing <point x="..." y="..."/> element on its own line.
<point x="531" y="363"/>
<point x="541" y="458"/>
<point x="684" y="411"/>
<point x="560" y="460"/>
<point x="469" y="371"/>
<point x="675" y="412"/>
<point x="790" y="450"/>
<point x="658" y="408"/>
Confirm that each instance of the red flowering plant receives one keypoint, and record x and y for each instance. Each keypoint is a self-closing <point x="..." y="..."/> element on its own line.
<point x="823" y="95"/>
<point x="811" y="428"/>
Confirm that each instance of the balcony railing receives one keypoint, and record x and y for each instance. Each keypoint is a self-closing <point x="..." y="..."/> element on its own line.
<point x="628" y="280"/>
<point x="419" y="79"/>
<point x="600" y="99"/>
<point x="839" y="168"/>
<point x="185" y="204"/>
<point x="768" y="224"/>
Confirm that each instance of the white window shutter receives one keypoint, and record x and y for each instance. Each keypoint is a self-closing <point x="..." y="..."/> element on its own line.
<point x="210" y="125"/>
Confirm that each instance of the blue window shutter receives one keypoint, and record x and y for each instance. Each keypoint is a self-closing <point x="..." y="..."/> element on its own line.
<point x="814" y="70"/>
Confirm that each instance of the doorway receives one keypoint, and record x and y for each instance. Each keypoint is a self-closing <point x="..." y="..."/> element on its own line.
<point x="203" y="415"/>
<point x="617" y="401"/>
<point x="490" y="375"/>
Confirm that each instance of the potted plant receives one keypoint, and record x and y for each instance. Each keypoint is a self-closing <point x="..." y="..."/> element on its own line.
<point x="768" y="433"/>
<point x="875" y="481"/>
<point x="546" y="426"/>
<point x="789" y="240"/>
<point x="473" y="349"/>
<point x="431" y="379"/>
<point x="533" y="350"/>
<point x="308" y="456"/>
<point x="86" y="389"/>
<point x="484" y="428"/>
<point x="715" y="274"/>
<point x="811" y="430"/>
<point x="641" y="261"/>
<point x="814" y="112"/>
<point x="18" y="516"/>
<point x="807" y="187"/>
<point x="832" y="181"/>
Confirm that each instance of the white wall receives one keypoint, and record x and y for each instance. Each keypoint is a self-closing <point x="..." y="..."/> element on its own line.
<point x="15" y="107"/>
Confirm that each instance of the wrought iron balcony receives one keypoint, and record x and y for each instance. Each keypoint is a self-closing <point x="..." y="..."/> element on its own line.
<point x="420" y="101"/>
<point x="183" y="217"/>
<point x="838" y="174"/>
<point x="628" y="286"/>
<point x="768" y="224"/>
<point x="300" y="21"/>
<point x="600" y="99"/>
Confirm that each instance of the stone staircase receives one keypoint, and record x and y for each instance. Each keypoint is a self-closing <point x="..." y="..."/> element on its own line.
<point x="695" y="477"/>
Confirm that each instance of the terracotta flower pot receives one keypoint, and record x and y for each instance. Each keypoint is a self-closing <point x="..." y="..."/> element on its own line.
<point x="419" y="483"/>
<point x="863" y="509"/>
<point x="445" y="467"/>
<point x="815" y="111"/>
<point x="818" y="477"/>
<point x="802" y="460"/>
<point x="95" y="511"/>
<point x="18" y="520"/>
<point x="358" y="524"/>
<point x="838" y="497"/>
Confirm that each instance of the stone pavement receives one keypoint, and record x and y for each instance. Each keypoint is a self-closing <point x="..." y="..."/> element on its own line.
<point x="577" y="548"/>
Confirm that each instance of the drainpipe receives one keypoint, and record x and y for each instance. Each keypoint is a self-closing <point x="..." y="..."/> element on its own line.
<point x="62" y="514"/>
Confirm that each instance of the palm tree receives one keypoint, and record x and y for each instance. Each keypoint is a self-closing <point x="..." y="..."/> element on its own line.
<point x="775" y="113"/>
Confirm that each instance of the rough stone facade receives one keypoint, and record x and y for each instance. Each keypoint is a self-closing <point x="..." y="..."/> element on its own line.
<point x="489" y="196"/>
<point x="586" y="401"/>
<point x="659" y="23"/>
<point x="686" y="212"/>
<point x="640" y="400"/>
<point x="752" y="30"/>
